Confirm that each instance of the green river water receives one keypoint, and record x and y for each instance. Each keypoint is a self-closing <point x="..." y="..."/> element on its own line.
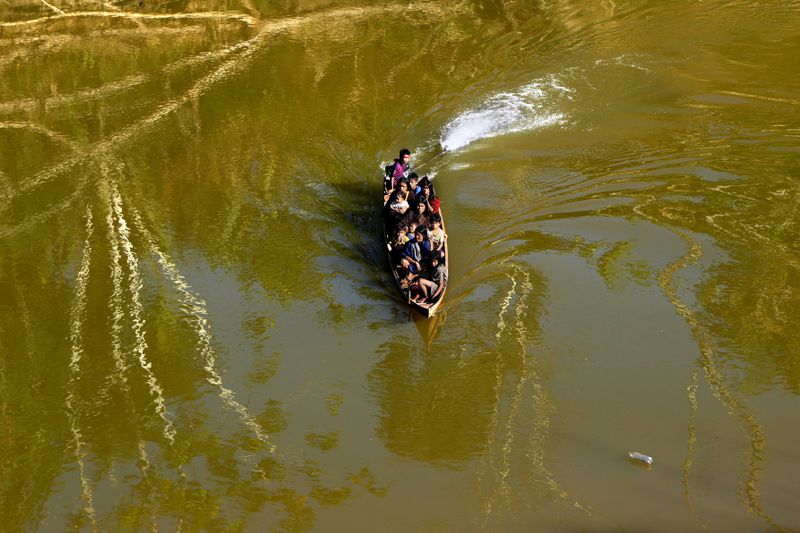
<point x="198" y="330"/>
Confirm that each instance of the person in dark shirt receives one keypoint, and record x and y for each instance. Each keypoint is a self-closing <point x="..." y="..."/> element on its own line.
<point x="419" y="216"/>
<point x="438" y="276"/>
<point x="419" y="249"/>
<point x="433" y="288"/>
<point x="397" y="205"/>
<point x="423" y="197"/>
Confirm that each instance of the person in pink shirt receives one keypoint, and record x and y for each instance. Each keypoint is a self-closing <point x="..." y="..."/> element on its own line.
<point x="401" y="167"/>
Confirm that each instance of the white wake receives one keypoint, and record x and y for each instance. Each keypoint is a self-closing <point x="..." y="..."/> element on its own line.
<point x="532" y="106"/>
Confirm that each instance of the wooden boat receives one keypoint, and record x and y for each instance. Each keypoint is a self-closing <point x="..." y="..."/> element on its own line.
<point x="426" y="308"/>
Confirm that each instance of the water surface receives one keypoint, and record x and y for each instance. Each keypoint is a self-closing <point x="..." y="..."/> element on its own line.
<point x="197" y="326"/>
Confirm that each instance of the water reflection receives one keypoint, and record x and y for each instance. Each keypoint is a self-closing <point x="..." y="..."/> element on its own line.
<point x="425" y="416"/>
<point x="167" y="168"/>
<point x="477" y="401"/>
<point x="157" y="437"/>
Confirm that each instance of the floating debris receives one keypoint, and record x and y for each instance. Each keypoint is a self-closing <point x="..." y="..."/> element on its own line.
<point x="636" y="456"/>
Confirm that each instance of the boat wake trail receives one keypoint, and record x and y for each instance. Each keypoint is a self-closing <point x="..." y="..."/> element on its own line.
<point x="532" y="106"/>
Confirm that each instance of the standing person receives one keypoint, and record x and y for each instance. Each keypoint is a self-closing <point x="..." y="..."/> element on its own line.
<point x="401" y="167"/>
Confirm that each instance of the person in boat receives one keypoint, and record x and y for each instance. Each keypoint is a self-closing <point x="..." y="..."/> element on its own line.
<point x="413" y="188"/>
<point x="433" y="286"/>
<point x="401" y="167"/>
<point x="407" y="266"/>
<point x="418" y="216"/>
<point x="433" y="202"/>
<point x="407" y="278"/>
<point x="412" y="229"/>
<point x="422" y="198"/>
<point x="438" y="276"/>
<point x="398" y="243"/>
<point x="397" y="205"/>
<point x="410" y="283"/>
<point x="401" y="237"/>
<point x="427" y="192"/>
<point x="413" y="184"/>
<point x="437" y="236"/>
<point x="418" y="250"/>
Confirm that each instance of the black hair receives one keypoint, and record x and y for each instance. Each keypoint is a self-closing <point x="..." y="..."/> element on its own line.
<point x="413" y="176"/>
<point x="421" y="230"/>
<point x="404" y="151"/>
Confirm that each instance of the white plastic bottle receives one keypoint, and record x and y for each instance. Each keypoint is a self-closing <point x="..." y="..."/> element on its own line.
<point x="636" y="456"/>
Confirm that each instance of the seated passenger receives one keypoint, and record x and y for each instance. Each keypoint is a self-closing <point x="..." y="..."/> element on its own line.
<point x="396" y="246"/>
<point x="407" y="266"/>
<point x="415" y="291"/>
<point x="401" y="237"/>
<point x="434" y="203"/>
<point x="419" y="216"/>
<point x="432" y="288"/>
<point x="409" y="283"/>
<point x="427" y="191"/>
<point x="413" y="184"/>
<point x="423" y="198"/>
<point x="437" y="236"/>
<point x="406" y="279"/>
<point x="398" y="201"/>
<point x="419" y="249"/>
<point x="418" y="293"/>
<point x="397" y="204"/>
<point x="438" y="276"/>
<point x="412" y="229"/>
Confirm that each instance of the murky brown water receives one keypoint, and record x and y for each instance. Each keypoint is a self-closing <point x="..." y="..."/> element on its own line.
<point x="198" y="331"/>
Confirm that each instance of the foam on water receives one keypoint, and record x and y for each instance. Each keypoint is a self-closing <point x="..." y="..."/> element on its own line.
<point x="532" y="106"/>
